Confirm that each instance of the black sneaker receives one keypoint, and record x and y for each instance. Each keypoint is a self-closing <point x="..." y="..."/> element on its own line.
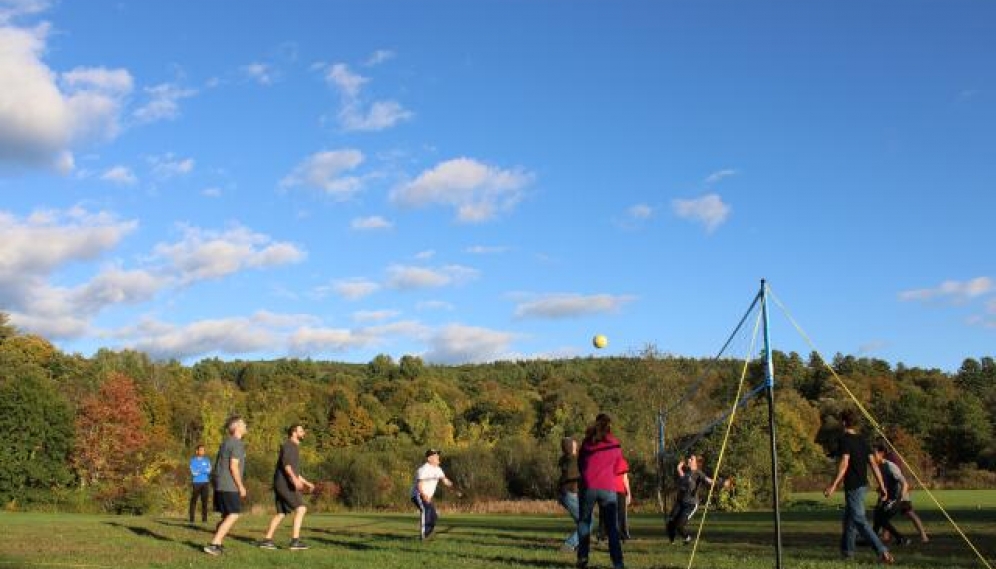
<point x="267" y="544"/>
<point x="213" y="549"/>
<point x="297" y="545"/>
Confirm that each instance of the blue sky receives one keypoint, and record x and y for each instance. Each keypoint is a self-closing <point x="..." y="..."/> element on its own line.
<point x="489" y="180"/>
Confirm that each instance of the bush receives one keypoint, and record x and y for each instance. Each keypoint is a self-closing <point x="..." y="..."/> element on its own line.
<point x="478" y="472"/>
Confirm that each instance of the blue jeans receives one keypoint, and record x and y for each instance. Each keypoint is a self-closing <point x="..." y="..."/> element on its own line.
<point x="606" y="500"/>
<point x="569" y="500"/>
<point x="855" y="521"/>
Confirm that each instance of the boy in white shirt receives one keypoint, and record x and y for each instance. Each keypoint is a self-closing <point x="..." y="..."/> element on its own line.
<point x="427" y="477"/>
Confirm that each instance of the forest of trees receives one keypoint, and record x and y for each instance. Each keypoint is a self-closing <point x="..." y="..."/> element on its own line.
<point x="114" y="432"/>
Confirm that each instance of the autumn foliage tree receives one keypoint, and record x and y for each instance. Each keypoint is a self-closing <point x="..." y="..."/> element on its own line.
<point x="110" y="433"/>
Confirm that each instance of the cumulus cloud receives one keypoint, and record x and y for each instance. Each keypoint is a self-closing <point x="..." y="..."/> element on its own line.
<point x="351" y="289"/>
<point x="204" y="254"/>
<point x="233" y="336"/>
<point x="571" y="305"/>
<point x="370" y="223"/>
<point x="327" y="171"/>
<point x="406" y="277"/>
<point x="316" y="340"/>
<point x="640" y="211"/>
<point x="477" y="191"/>
<point x="163" y="103"/>
<point x="709" y="210"/>
<point x="354" y="113"/>
<point x="260" y="73"/>
<point x="378" y="57"/>
<point x="952" y="290"/>
<point x="458" y="343"/>
<point x="434" y="305"/>
<point x="37" y="246"/>
<point x="43" y="115"/>
<point x="12" y="9"/>
<point x="374" y="315"/>
<point x="120" y="175"/>
<point x="166" y="166"/>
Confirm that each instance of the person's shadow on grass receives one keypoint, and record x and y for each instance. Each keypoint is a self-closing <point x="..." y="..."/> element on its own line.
<point x="140" y="531"/>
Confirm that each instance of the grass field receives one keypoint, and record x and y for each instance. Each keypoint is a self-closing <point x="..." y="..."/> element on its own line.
<point x="386" y="541"/>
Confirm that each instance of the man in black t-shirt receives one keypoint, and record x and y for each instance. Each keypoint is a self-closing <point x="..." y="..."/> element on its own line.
<point x="855" y="458"/>
<point x="287" y="486"/>
<point x="690" y="479"/>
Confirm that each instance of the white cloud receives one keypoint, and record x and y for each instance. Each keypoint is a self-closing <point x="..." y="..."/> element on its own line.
<point x="211" y="192"/>
<point x="121" y="175"/>
<point x="347" y="82"/>
<point x="44" y="115"/>
<point x="310" y="340"/>
<point x="485" y="249"/>
<point x="477" y="191"/>
<point x="37" y="246"/>
<point x="203" y="254"/>
<point x="233" y="336"/>
<point x="571" y="305"/>
<point x="457" y="343"/>
<point x="955" y="291"/>
<point x="166" y="166"/>
<point x="325" y="171"/>
<point x="12" y="9"/>
<point x="640" y="211"/>
<point x="260" y="73"/>
<point x="425" y="255"/>
<point x="434" y="305"/>
<point x="353" y="289"/>
<point x="372" y="222"/>
<point x="355" y="114"/>
<point x="709" y="210"/>
<point x="374" y="315"/>
<point x="163" y="103"/>
<point x="719" y="175"/>
<point x="378" y="57"/>
<point x="379" y="116"/>
<point x="406" y="277"/>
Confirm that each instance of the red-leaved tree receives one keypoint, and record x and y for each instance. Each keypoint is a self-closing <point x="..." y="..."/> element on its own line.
<point x="110" y="433"/>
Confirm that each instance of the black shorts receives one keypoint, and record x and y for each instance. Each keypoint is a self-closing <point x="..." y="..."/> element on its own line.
<point x="227" y="503"/>
<point x="287" y="501"/>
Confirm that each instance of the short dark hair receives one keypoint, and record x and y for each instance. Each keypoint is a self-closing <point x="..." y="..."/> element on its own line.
<point x="292" y="428"/>
<point x="880" y="447"/>
<point x="199" y="445"/>
<point x="849" y="417"/>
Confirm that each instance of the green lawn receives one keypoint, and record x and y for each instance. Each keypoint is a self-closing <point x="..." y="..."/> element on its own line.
<point x="385" y="541"/>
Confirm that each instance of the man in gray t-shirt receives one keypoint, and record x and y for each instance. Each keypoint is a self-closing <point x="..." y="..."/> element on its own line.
<point x="227" y="476"/>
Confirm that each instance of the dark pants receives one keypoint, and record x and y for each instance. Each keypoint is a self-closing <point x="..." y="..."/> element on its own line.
<point x="679" y="516"/>
<point x="199" y="490"/>
<point x="427" y="516"/>
<point x="884" y="512"/>
<point x="606" y="500"/>
<point x="622" y="518"/>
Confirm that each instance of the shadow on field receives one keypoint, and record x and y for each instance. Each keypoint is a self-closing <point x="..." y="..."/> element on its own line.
<point x="345" y="544"/>
<point x="140" y="531"/>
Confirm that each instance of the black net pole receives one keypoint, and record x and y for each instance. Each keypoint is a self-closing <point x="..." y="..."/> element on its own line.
<point x="770" y="377"/>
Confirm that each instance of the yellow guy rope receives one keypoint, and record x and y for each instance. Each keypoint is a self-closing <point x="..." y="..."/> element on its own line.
<point x="881" y="432"/>
<point x="726" y="437"/>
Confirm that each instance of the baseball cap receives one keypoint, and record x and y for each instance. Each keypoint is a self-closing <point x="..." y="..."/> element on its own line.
<point x="431" y="452"/>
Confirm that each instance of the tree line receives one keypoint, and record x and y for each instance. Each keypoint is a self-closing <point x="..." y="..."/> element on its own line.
<point x="114" y="431"/>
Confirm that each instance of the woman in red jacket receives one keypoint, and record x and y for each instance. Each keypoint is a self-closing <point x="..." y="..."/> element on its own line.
<point x="601" y="462"/>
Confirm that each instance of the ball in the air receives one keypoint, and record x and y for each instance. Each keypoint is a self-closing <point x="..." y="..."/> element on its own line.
<point x="600" y="341"/>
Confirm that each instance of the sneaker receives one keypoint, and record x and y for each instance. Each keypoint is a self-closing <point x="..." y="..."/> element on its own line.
<point x="213" y="549"/>
<point x="568" y="548"/>
<point x="267" y="544"/>
<point x="886" y="558"/>
<point x="687" y="540"/>
<point x="905" y="541"/>
<point x="298" y="545"/>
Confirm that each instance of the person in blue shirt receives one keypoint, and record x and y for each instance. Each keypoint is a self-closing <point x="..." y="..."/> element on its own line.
<point x="200" y="470"/>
